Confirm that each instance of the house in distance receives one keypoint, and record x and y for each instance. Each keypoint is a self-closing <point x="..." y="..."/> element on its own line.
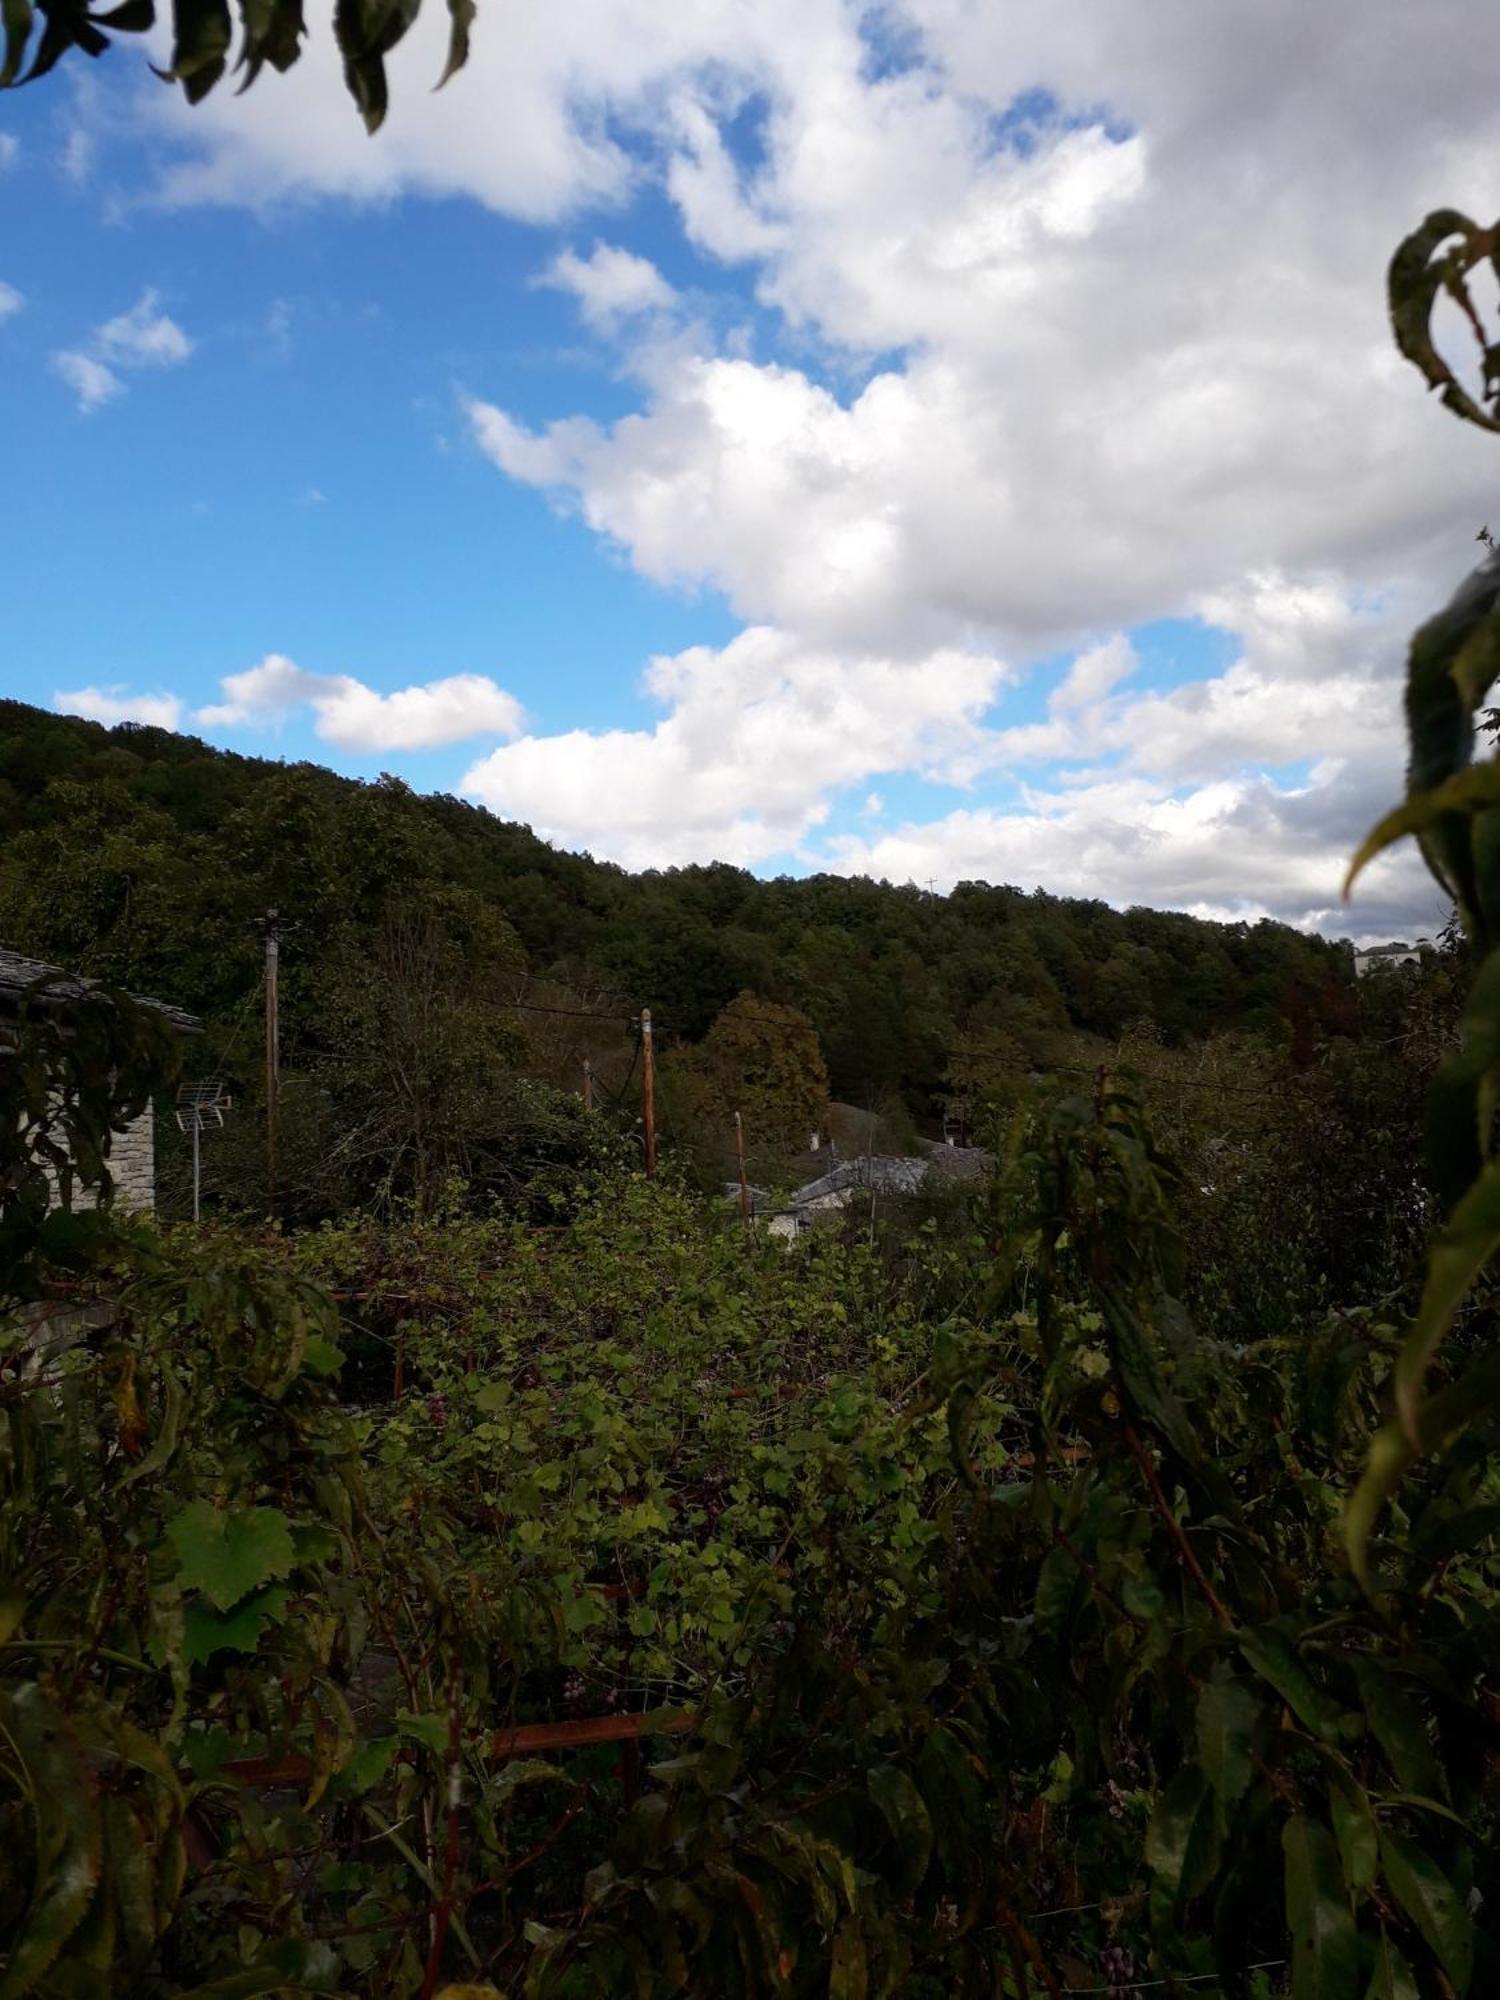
<point x="27" y="982"/>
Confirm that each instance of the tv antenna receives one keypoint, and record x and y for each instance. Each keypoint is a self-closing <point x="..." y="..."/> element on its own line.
<point x="200" y="1104"/>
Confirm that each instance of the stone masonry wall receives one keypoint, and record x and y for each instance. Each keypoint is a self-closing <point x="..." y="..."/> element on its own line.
<point x="132" y="1162"/>
<point x="132" y="1166"/>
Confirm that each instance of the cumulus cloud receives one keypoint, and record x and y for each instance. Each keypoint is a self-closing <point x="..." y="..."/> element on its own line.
<point x="757" y="736"/>
<point x="91" y="380"/>
<point x="141" y="337"/>
<point x="1070" y="320"/>
<point x="11" y="301"/>
<point x="610" y="284"/>
<point x="357" y="717"/>
<point x="111" y="705"/>
<point x="1129" y="843"/>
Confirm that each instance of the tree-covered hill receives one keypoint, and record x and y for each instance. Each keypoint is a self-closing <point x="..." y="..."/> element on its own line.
<point x="144" y="857"/>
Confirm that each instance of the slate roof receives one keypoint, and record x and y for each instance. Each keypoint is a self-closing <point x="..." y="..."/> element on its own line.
<point x="882" y="1171"/>
<point x="961" y="1163"/>
<point x="18" y="973"/>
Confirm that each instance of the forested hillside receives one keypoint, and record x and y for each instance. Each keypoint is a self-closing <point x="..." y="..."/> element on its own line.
<point x="144" y="857"/>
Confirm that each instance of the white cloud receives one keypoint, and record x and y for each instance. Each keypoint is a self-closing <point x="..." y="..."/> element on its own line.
<point x="111" y="705"/>
<point x="610" y="284"/>
<point x="757" y="737"/>
<point x="77" y="157"/>
<point x="11" y="301"/>
<point x="142" y="337"/>
<point x="1026" y="371"/>
<point x="1131" y="842"/>
<point x="356" y="717"/>
<point x="10" y="150"/>
<point x="91" y="381"/>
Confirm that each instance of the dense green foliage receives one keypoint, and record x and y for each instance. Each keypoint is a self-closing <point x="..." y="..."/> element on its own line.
<point x="543" y="1586"/>
<point x="142" y="857"/>
<point x="983" y="1621"/>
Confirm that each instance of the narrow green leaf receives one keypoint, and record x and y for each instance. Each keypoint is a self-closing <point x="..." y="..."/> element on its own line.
<point x="1442" y="1416"/>
<point x="1468" y="791"/>
<point x="1357" y="1834"/>
<point x="1276" y="1660"/>
<point x="1433" y="1904"/>
<point x="16" y="16"/>
<point x="849" y="1967"/>
<point x="462" y="14"/>
<point x="1398" y="1727"/>
<point x="1392" y="1978"/>
<point x="1470" y="1238"/>
<point x="1181" y="1848"/>
<point x="1227" y="1713"/>
<point x="1325" y="1944"/>
<point x="906" y="1815"/>
<point x="68" y="1836"/>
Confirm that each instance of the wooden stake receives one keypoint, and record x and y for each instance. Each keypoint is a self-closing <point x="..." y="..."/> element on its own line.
<point x="739" y="1147"/>
<point x="588" y="1085"/>
<point x="648" y="1092"/>
<point x="273" y="1057"/>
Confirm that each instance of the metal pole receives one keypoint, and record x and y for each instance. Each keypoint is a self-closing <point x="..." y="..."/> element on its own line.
<point x="197" y="1128"/>
<point x="648" y="1092"/>
<point x="273" y="1058"/>
<point x="739" y="1147"/>
<point x="588" y="1085"/>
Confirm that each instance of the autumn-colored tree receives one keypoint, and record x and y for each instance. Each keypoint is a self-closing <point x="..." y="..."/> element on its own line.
<point x="763" y="1060"/>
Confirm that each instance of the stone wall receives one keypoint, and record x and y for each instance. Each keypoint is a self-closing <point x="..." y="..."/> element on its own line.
<point x="132" y="1166"/>
<point x="132" y="1162"/>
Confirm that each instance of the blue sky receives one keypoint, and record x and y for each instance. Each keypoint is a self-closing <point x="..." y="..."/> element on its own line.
<point x="876" y="382"/>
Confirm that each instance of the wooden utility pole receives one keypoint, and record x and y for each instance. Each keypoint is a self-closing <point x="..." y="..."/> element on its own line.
<point x="588" y="1085"/>
<point x="273" y="1057"/>
<point x="739" y="1147"/>
<point x="648" y="1092"/>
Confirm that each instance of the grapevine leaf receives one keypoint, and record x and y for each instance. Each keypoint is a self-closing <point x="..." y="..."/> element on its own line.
<point x="227" y="1555"/>
<point x="206" y="1632"/>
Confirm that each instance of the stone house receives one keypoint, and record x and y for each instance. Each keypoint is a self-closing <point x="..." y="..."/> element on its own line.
<point x="132" y="1155"/>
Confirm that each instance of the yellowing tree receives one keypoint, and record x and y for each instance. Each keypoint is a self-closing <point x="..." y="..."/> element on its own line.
<point x="764" y="1061"/>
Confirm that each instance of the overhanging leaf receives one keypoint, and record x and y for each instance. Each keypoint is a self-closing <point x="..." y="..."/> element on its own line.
<point x="1468" y="791"/>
